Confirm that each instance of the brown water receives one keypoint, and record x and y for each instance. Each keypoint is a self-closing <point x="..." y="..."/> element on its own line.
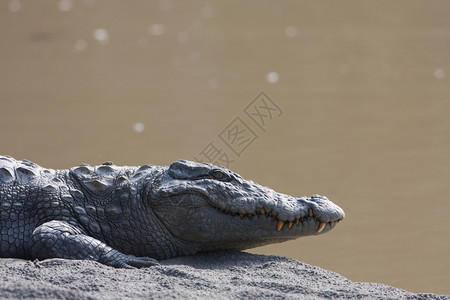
<point x="363" y="88"/>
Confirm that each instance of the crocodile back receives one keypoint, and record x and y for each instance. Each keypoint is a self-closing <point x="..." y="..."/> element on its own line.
<point x="26" y="192"/>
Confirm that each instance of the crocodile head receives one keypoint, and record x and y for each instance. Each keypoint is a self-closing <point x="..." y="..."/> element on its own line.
<point x="209" y="207"/>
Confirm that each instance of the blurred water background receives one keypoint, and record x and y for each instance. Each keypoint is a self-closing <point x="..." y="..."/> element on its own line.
<point x="362" y="91"/>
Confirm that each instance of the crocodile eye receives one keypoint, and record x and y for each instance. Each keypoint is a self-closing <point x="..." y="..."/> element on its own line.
<point x="219" y="175"/>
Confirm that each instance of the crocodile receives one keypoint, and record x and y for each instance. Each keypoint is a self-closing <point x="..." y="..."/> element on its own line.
<point x="131" y="217"/>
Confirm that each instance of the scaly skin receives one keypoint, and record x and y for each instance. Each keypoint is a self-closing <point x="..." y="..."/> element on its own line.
<point x="131" y="216"/>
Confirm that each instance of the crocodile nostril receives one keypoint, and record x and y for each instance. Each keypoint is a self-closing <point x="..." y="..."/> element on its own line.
<point x="319" y="197"/>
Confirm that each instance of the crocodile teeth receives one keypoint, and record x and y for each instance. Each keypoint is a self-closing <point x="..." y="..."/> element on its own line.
<point x="310" y="212"/>
<point x="331" y="224"/>
<point x="290" y="224"/>
<point x="241" y="216"/>
<point x="280" y="225"/>
<point x="297" y="221"/>
<point x="262" y="211"/>
<point x="321" y="227"/>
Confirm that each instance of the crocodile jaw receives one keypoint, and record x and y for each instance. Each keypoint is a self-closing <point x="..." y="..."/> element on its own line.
<point x="238" y="214"/>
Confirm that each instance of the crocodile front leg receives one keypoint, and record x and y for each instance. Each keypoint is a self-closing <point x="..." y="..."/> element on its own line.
<point x="57" y="239"/>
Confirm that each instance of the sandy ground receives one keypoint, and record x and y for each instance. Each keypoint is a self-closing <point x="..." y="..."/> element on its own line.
<point x="221" y="275"/>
